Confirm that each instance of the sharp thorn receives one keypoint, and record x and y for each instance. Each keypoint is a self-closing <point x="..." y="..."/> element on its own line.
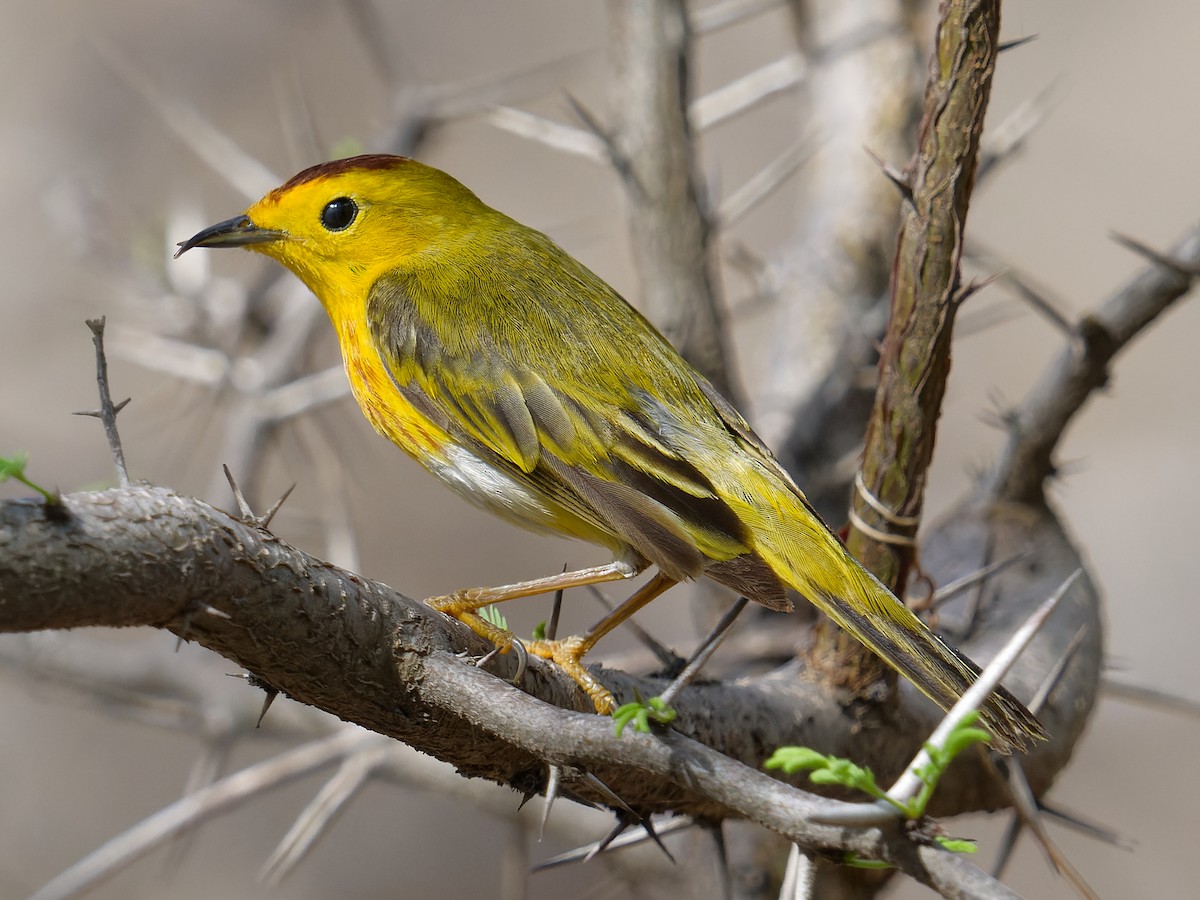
<point x="244" y="510"/>
<point x="555" y="611"/>
<point x="590" y="122"/>
<point x="948" y="591"/>
<point x="1188" y="270"/>
<point x="717" y="830"/>
<point x="553" y="780"/>
<point x="629" y="839"/>
<point x="270" y="513"/>
<point x="525" y="798"/>
<point x="894" y="175"/>
<point x="622" y="824"/>
<point x="1016" y="42"/>
<point x="706" y="649"/>
<point x="973" y="287"/>
<point x="607" y="792"/>
<point x="1050" y="682"/>
<point x="1008" y="843"/>
<point x="667" y="658"/>
<point x="487" y="657"/>
<point x="615" y="158"/>
<point x="272" y="693"/>
<point x="649" y="826"/>
<point x="218" y="613"/>
<point x="1036" y="300"/>
<point x="1093" y="829"/>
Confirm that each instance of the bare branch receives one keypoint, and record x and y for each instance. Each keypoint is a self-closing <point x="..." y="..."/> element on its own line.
<point x="828" y="287"/>
<point x="743" y="94"/>
<point x="1038" y="423"/>
<point x="1004" y="142"/>
<point x="555" y="135"/>
<point x="353" y="774"/>
<point x="394" y="665"/>
<point x="724" y="13"/>
<point x="763" y="184"/>
<point x="915" y="359"/>
<point x="224" y="157"/>
<point x="107" y="413"/>
<point x="162" y="825"/>
<point x="668" y="217"/>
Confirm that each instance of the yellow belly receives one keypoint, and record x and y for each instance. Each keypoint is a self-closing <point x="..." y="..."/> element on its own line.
<point x="466" y="473"/>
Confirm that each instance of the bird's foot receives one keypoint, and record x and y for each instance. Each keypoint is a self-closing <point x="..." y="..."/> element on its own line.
<point x="567" y="654"/>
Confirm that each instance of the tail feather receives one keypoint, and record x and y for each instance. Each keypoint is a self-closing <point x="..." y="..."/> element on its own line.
<point x="939" y="671"/>
<point x="814" y="562"/>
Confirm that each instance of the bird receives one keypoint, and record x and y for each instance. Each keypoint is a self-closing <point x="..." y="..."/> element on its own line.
<point x="528" y="385"/>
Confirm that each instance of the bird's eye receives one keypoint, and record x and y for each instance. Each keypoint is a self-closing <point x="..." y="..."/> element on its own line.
<point x="338" y="214"/>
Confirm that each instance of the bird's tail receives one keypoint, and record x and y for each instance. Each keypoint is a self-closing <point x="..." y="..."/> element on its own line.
<point x="815" y="563"/>
<point x="939" y="671"/>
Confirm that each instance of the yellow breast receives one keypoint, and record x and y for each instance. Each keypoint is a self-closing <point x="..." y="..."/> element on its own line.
<point x="385" y="407"/>
<point x="468" y="474"/>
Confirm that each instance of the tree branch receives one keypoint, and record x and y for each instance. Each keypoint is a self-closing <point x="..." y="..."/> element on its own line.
<point x="915" y="360"/>
<point x="669" y="214"/>
<point x="861" y="96"/>
<point x="1037" y="425"/>
<point x="146" y="556"/>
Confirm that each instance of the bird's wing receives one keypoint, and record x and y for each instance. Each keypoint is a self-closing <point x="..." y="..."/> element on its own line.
<point x="621" y="438"/>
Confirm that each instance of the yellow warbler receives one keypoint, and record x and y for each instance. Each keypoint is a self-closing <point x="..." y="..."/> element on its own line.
<point x="528" y="385"/>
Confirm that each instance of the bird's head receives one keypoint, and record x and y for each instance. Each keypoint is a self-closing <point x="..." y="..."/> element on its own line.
<point x="339" y="226"/>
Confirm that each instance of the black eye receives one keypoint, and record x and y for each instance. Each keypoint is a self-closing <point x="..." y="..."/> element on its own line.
<point x="338" y="214"/>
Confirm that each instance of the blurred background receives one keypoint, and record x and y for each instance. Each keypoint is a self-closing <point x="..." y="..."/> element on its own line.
<point x="100" y="107"/>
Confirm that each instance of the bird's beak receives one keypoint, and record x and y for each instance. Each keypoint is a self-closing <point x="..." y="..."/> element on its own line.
<point x="236" y="232"/>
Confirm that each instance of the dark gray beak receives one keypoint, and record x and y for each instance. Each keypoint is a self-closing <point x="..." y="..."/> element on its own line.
<point x="237" y="232"/>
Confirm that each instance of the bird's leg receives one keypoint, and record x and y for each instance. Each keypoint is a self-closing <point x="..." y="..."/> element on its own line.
<point x="465" y="604"/>
<point x="568" y="653"/>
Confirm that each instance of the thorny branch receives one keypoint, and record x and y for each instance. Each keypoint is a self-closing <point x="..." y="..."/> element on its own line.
<point x="396" y="667"/>
<point x="1036" y="426"/>
<point x="107" y="413"/>
<point x="915" y="358"/>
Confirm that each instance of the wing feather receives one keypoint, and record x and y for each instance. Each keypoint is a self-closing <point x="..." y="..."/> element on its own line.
<point x="623" y="454"/>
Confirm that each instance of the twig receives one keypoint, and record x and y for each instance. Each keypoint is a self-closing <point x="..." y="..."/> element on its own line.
<point x="743" y="94"/>
<point x="219" y="797"/>
<point x="799" y="878"/>
<point x="107" y="413"/>
<point x="669" y="215"/>
<point x="1151" y="697"/>
<point x="949" y="591"/>
<point x="555" y="135"/>
<point x="1006" y="140"/>
<point x="1027" y="810"/>
<point x="726" y="874"/>
<point x="353" y="774"/>
<point x="224" y="157"/>
<point x="724" y="13"/>
<point x="704" y="652"/>
<point x="667" y="658"/>
<point x="1038" y="423"/>
<point x="763" y="184"/>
